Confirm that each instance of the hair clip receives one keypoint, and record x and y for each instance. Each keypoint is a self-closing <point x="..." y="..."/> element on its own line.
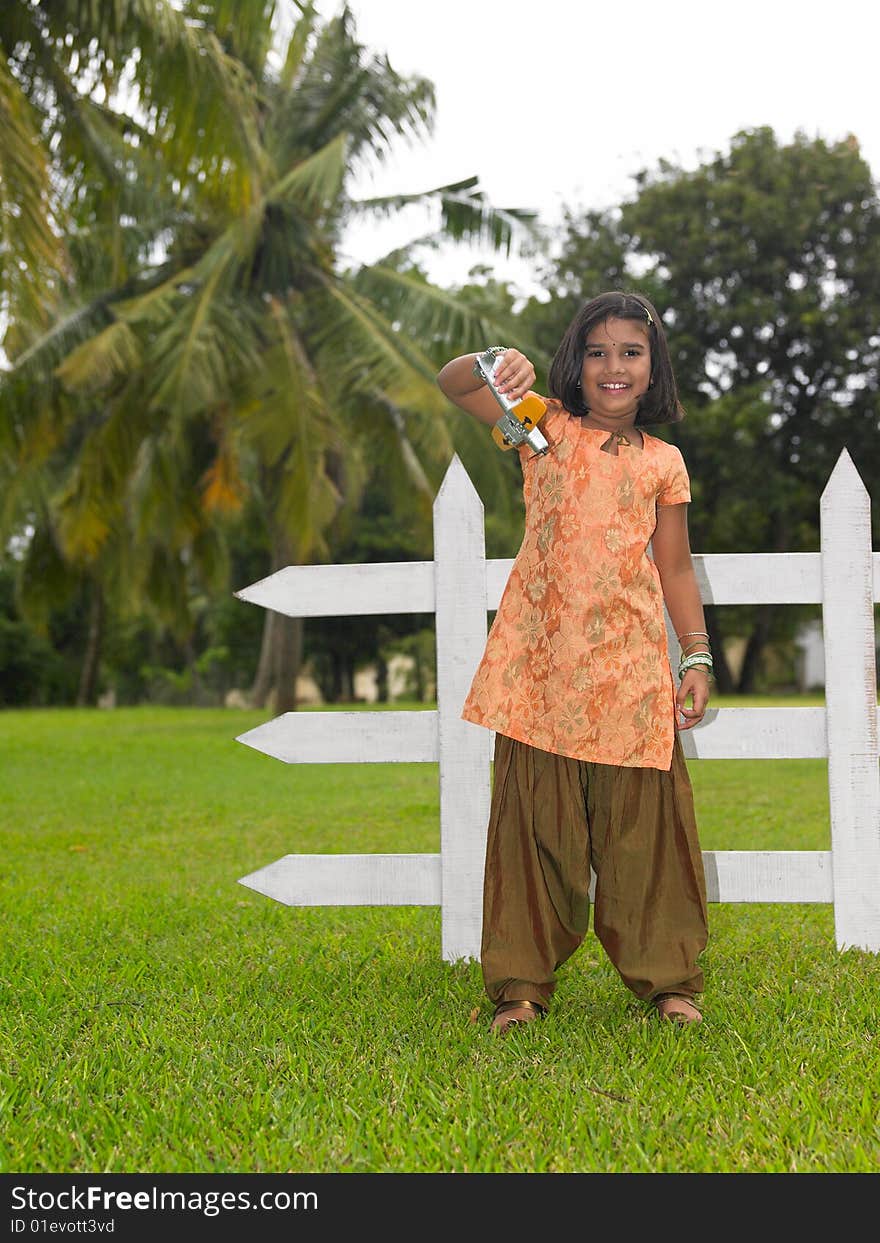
<point x="648" y="313"/>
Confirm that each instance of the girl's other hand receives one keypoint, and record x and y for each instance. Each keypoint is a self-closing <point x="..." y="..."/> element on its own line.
<point x="514" y="375"/>
<point x="694" y="684"/>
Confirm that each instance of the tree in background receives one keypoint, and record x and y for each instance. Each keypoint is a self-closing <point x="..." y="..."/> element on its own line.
<point x="764" y="263"/>
<point x="107" y="111"/>
<point x="82" y="87"/>
<point x="229" y="359"/>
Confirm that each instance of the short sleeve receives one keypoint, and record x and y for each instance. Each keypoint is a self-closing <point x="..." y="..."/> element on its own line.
<point x="676" y="487"/>
<point x="552" y="425"/>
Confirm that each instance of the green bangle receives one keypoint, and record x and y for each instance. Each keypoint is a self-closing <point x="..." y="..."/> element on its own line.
<point x="698" y="658"/>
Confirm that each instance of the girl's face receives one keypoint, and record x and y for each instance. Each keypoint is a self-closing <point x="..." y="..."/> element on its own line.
<point x="616" y="369"/>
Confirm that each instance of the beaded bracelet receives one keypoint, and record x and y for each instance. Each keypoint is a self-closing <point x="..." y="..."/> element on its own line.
<point x="698" y="658"/>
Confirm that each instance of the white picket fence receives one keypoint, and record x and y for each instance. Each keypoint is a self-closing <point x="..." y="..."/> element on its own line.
<point x="459" y="586"/>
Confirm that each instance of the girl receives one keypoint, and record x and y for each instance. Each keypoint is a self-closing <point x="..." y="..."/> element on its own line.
<point x="575" y="679"/>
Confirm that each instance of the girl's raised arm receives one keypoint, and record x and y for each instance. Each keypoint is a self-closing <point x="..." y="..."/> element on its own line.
<point x="514" y="375"/>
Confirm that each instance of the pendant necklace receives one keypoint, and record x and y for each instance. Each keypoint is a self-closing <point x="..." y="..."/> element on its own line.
<point x="620" y="437"/>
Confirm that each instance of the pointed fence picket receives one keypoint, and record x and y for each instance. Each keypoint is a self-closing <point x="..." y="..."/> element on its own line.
<point x="460" y="586"/>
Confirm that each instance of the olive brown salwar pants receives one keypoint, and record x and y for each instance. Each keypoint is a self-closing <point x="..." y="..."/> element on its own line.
<point x="554" y="818"/>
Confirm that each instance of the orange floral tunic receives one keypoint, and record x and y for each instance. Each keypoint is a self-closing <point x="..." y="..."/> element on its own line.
<point x="576" y="661"/>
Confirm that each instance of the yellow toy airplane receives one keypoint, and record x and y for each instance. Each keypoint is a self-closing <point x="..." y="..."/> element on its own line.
<point x="519" y="423"/>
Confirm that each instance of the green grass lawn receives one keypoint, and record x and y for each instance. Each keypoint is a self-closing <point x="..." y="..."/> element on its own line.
<point x="157" y="1016"/>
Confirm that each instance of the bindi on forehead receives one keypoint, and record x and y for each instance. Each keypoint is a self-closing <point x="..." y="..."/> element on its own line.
<point x="601" y="338"/>
<point x="600" y="344"/>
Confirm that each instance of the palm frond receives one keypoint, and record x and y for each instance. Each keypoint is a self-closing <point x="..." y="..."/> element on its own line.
<point x="315" y="181"/>
<point x="201" y="327"/>
<point x="424" y="312"/>
<point x="413" y="468"/>
<point x="43" y="352"/>
<point x="90" y="132"/>
<point x="164" y="505"/>
<point x="34" y="412"/>
<point x="89" y="506"/>
<point x="194" y="362"/>
<point x="295" y="57"/>
<point x="154" y="307"/>
<point x="198" y="100"/>
<point x="465" y="214"/>
<point x="102" y="359"/>
<point x="390" y="204"/>
<point x="342" y="88"/>
<point x="245" y="31"/>
<point x="223" y="488"/>
<point x="291" y="423"/>
<point x="470" y="218"/>
<point x="202" y="94"/>
<point x="362" y="353"/>
<point x="33" y="255"/>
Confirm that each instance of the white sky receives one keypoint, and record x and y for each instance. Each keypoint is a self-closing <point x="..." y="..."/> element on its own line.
<point x="558" y="103"/>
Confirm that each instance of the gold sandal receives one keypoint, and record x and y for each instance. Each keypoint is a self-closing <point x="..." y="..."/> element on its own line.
<point x="539" y="1012"/>
<point x="677" y="1014"/>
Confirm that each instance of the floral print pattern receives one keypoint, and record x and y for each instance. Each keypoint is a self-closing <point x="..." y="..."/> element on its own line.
<point x="576" y="660"/>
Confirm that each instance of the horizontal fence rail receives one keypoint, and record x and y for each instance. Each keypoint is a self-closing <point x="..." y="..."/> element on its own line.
<point x="408" y="586"/>
<point x="460" y="587"/>
<point x="414" y="880"/>
<point x="413" y="737"/>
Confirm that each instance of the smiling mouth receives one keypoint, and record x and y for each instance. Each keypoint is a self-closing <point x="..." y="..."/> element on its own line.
<point x="614" y="388"/>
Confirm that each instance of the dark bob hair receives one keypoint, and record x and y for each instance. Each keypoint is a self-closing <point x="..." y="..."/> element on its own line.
<point x="660" y="404"/>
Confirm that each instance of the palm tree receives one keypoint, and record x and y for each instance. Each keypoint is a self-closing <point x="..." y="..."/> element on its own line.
<point x="237" y="360"/>
<point x="83" y="88"/>
<point x="81" y="200"/>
